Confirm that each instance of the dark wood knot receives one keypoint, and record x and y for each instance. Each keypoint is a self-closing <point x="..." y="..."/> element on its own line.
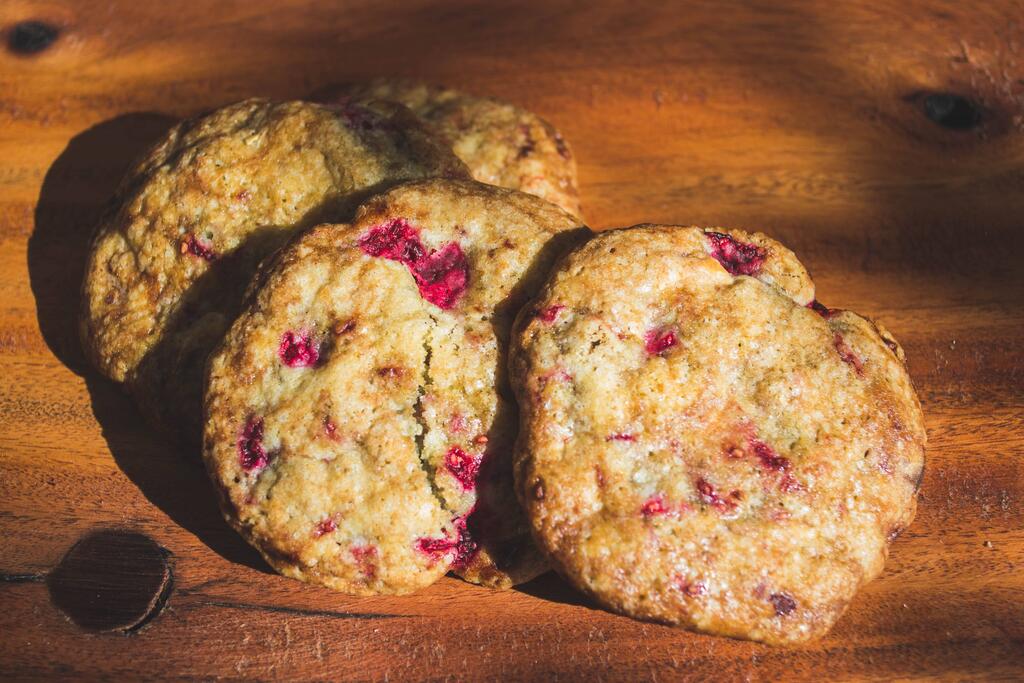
<point x="952" y="111"/>
<point x="31" y="37"/>
<point x="112" y="581"/>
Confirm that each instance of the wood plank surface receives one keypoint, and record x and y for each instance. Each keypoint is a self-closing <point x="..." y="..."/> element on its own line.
<point x="882" y="140"/>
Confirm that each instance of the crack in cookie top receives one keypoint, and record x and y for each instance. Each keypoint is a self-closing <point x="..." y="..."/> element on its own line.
<point x="169" y="265"/>
<point x="501" y="144"/>
<point x="357" y="425"/>
<point x="704" y="444"/>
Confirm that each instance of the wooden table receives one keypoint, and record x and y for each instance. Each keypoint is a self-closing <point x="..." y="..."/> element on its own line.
<point x="883" y="141"/>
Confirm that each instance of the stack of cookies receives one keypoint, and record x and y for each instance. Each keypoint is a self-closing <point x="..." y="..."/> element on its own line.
<point x="404" y="355"/>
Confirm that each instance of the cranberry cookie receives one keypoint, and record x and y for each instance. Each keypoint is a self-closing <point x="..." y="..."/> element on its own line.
<point x="190" y="223"/>
<point x="358" y="426"/>
<point x="703" y="444"/>
<point x="500" y="143"/>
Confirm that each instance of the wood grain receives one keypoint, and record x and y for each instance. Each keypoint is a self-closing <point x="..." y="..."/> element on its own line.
<point x="809" y="120"/>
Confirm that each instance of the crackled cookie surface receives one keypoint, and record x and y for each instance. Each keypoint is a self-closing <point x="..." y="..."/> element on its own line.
<point x="189" y="224"/>
<point x="358" y="426"/>
<point x="702" y="443"/>
<point x="500" y="143"/>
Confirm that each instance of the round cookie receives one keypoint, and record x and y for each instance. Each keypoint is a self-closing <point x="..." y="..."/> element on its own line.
<point x="190" y="223"/>
<point x="702" y="443"/>
<point x="501" y="144"/>
<point x="358" y="422"/>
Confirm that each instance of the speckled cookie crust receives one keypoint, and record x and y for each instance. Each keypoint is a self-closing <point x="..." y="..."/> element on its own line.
<point x="190" y="223"/>
<point x="501" y="144"/>
<point x="702" y="443"/>
<point x="358" y="422"/>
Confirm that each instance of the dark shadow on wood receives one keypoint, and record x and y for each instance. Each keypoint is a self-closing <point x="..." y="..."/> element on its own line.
<point x="553" y="588"/>
<point x="74" y="193"/>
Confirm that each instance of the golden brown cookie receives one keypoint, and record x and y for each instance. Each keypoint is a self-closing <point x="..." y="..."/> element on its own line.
<point x="501" y="144"/>
<point x="703" y="444"/>
<point x="358" y="423"/>
<point x="190" y="223"/>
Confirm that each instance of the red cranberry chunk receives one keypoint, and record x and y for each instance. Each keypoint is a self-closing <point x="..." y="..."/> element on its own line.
<point x="789" y="484"/>
<point x="848" y="355"/>
<point x="192" y="245"/>
<point x="783" y="603"/>
<point x="691" y="589"/>
<point x="395" y="240"/>
<point x="441" y="276"/>
<point x="739" y="258"/>
<point x="463" y="466"/>
<point x="620" y="436"/>
<point x="297" y="350"/>
<point x="366" y="558"/>
<point x="251" y="453"/>
<point x="435" y="547"/>
<point x="462" y="548"/>
<point x="324" y="526"/>
<point x="657" y="342"/>
<point x="770" y="460"/>
<point x="654" y="506"/>
<point x="820" y="309"/>
<point x="466" y="546"/>
<point x="549" y="314"/>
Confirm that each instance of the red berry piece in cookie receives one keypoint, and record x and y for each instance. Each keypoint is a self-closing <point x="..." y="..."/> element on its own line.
<point x="441" y="275"/>
<point x="654" y="506"/>
<point x="251" y="454"/>
<point x="196" y="247"/>
<point x="463" y="466"/>
<point x="820" y="309"/>
<point x="550" y="313"/>
<point x="620" y="436"/>
<point x="459" y="549"/>
<point x="848" y="355"/>
<point x="366" y="560"/>
<point x="770" y="460"/>
<point x="657" y="342"/>
<point x="690" y="589"/>
<point x="783" y="603"/>
<point x="735" y="256"/>
<point x="330" y="429"/>
<point x="324" y="527"/>
<point x="395" y="240"/>
<point x="298" y="350"/>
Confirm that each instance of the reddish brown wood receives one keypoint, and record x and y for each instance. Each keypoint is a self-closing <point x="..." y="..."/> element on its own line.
<point x="883" y="140"/>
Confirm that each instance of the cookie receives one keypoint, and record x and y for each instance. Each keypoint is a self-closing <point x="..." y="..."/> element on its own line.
<point x="702" y="443"/>
<point x="170" y="261"/>
<point x="501" y="144"/>
<point x="358" y="421"/>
